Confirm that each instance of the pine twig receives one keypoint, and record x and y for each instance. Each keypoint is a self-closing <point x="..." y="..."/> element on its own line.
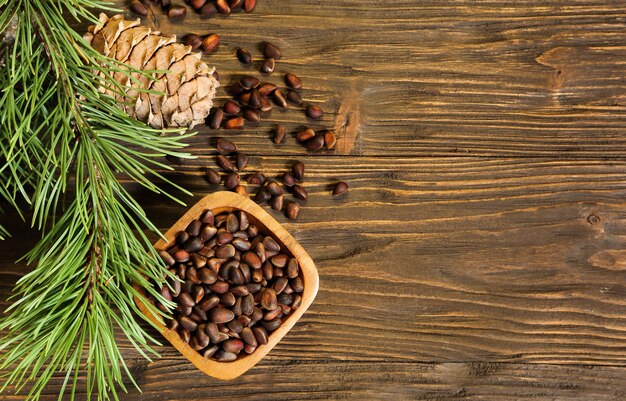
<point x="58" y="131"/>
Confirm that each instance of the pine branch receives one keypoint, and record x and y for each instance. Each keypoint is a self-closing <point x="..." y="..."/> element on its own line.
<point x="78" y="294"/>
<point x="56" y="129"/>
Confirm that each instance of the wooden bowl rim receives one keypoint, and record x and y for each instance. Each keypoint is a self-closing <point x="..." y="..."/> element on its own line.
<point x="219" y="202"/>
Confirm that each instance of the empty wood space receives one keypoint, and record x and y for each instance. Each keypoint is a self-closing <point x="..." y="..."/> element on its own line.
<point x="480" y="253"/>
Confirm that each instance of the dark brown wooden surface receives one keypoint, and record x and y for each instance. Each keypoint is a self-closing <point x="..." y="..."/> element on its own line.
<point x="480" y="253"/>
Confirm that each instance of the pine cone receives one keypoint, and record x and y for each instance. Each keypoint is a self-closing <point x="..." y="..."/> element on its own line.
<point x="186" y="93"/>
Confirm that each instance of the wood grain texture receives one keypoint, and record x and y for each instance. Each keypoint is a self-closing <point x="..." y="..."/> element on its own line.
<point x="501" y="259"/>
<point x="175" y="380"/>
<point x="445" y="261"/>
<point x="492" y="78"/>
<point x="479" y="254"/>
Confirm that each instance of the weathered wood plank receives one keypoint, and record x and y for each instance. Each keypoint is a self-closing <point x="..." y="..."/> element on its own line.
<point x="456" y="260"/>
<point x="440" y="78"/>
<point x="172" y="379"/>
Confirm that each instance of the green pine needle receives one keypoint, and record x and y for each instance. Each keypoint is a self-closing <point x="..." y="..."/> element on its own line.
<point x="63" y="147"/>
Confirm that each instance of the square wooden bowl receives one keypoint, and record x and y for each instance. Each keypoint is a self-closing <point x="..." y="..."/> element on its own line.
<point x="220" y="202"/>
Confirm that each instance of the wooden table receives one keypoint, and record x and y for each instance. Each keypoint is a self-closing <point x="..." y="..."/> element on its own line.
<point x="480" y="252"/>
